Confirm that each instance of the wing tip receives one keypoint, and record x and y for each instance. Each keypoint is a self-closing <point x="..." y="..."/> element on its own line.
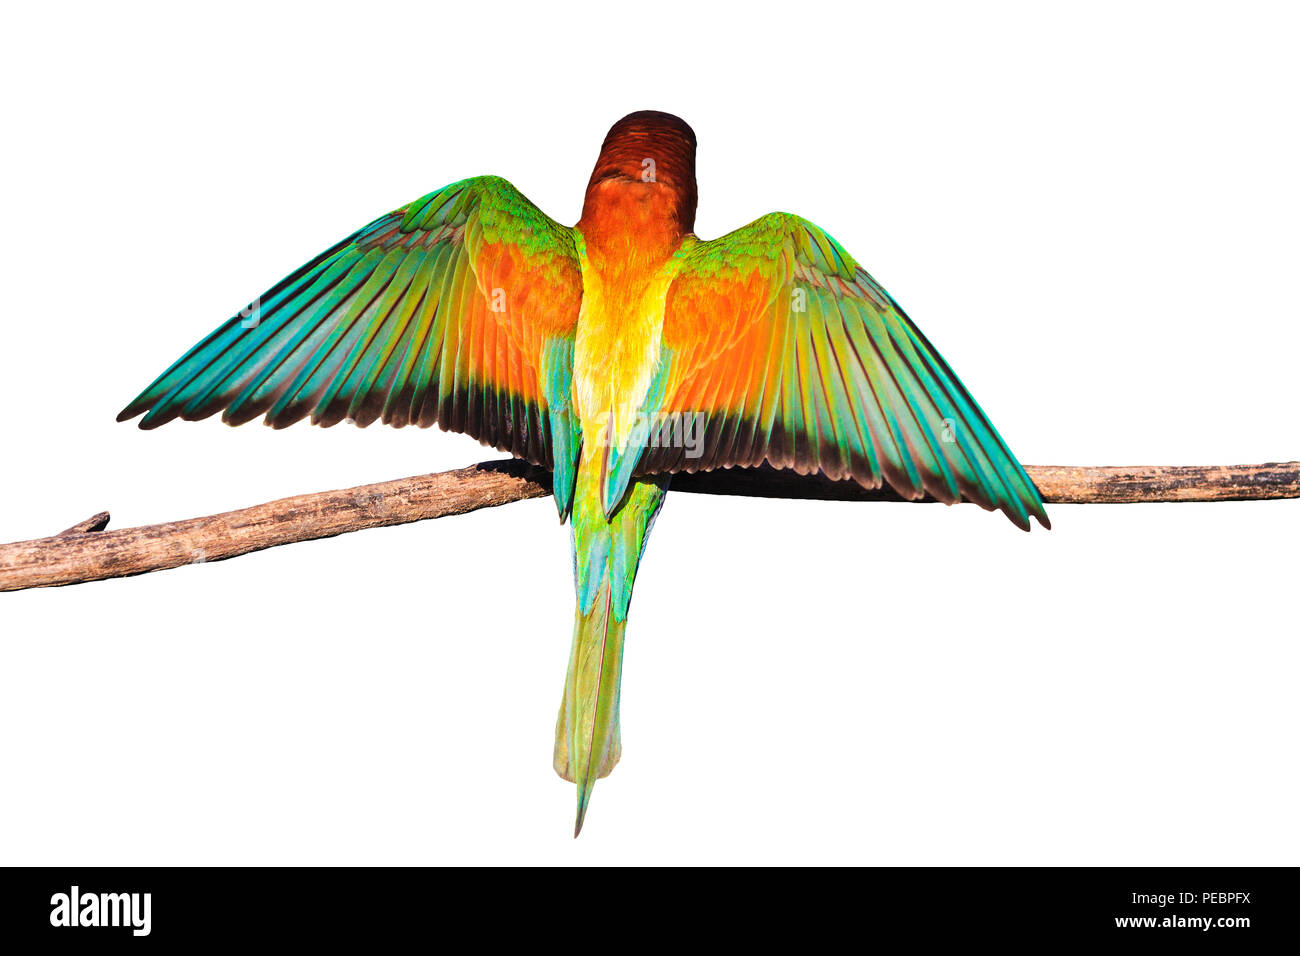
<point x="153" y="418"/>
<point x="1032" y="509"/>
<point x="137" y="406"/>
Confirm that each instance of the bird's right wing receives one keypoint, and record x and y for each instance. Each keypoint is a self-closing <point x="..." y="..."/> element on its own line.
<point x="459" y="308"/>
<point x="789" y="353"/>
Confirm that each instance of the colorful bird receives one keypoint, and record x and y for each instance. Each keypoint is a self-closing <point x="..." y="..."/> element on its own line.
<point x="614" y="353"/>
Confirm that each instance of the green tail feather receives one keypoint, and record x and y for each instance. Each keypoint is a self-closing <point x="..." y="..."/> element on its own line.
<point x="587" y="742"/>
<point x="607" y="553"/>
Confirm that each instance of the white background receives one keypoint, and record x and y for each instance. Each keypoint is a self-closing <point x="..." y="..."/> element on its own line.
<point x="1091" y="212"/>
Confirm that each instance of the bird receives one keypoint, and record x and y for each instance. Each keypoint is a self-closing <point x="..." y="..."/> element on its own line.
<point x="615" y="353"/>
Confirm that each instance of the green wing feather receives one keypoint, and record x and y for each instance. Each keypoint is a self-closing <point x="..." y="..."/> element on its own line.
<point x="459" y="309"/>
<point x="789" y="353"/>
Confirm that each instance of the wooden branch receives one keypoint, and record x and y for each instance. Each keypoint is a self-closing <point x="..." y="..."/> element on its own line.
<point x="94" y="523"/>
<point x="72" y="558"/>
<point x="1058" y="484"/>
<point x="85" y="552"/>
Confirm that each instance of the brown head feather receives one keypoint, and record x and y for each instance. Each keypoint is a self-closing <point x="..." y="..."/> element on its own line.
<point x="655" y="154"/>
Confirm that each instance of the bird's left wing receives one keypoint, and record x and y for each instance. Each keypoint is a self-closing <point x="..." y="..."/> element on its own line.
<point x="459" y="308"/>
<point x="777" y="347"/>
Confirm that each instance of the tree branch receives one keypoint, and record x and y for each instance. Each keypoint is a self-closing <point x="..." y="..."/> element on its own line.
<point x="86" y="552"/>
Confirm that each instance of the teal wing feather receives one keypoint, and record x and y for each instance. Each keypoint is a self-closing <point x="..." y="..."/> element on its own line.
<point x="781" y="349"/>
<point x="457" y="309"/>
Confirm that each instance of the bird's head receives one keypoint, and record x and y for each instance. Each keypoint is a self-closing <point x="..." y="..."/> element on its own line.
<point x="647" y="157"/>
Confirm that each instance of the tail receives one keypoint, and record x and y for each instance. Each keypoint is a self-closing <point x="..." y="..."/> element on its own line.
<point x="587" y="744"/>
<point x="606" y="553"/>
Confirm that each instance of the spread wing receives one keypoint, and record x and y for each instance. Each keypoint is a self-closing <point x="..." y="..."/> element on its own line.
<point x="459" y="308"/>
<point x="782" y="349"/>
